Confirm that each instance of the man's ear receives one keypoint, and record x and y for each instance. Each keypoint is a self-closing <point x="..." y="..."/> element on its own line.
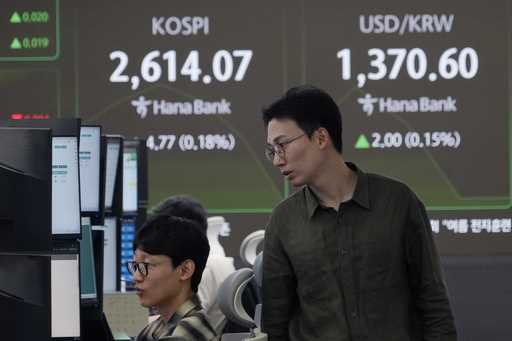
<point x="187" y="269"/>
<point x="322" y="137"/>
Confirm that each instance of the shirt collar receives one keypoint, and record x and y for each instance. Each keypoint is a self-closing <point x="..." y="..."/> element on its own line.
<point x="361" y="192"/>
<point x="164" y="328"/>
<point x="192" y="303"/>
<point x="183" y="310"/>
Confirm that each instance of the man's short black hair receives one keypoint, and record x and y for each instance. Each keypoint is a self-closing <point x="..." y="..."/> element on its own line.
<point x="311" y="108"/>
<point x="178" y="238"/>
<point x="183" y="206"/>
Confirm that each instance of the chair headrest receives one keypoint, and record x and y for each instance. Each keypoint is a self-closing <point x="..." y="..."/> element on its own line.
<point x="249" y="246"/>
<point x="230" y="297"/>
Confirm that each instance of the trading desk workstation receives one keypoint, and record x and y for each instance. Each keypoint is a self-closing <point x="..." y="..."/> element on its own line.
<point x="63" y="226"/>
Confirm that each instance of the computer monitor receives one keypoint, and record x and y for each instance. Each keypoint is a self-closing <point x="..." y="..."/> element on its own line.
<point x="113" y="174"/>
<point x="94" y="324"/>
<point x="130" y="178"/>
<point x="89" y="156"/>
<point x="65" y="173"/>
<point x="127" y="237"/>
<point x="65" y="190"/>
<point x="65" y="288"/>
<point x="110" y="268"/>
<point x="25" y="297"/>
<point x="25" y="190"/>
<point x="88" y="290"/>
<point x="59" y="126"/>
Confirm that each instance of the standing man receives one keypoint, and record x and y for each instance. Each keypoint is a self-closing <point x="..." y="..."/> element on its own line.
<point x="350" y="256"/>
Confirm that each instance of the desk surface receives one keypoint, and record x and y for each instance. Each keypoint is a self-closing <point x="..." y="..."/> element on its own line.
<point x="125" y="315"/>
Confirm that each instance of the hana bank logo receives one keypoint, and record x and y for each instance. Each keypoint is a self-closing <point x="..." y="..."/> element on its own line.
<point x="407" y="105"/>
<point x="368" y="103"/>
<point x="141" y="106"/>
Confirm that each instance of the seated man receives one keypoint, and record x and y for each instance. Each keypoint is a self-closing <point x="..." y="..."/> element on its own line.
<point x="170" y="256"/>
<point x="217" y="268"/>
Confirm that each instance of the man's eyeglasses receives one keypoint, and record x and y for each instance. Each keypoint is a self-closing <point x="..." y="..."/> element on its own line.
<point x="142" y="267"/>
<point x="278" y="148"/>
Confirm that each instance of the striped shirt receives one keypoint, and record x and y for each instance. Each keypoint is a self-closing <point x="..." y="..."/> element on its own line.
<point x="188" y="323"/>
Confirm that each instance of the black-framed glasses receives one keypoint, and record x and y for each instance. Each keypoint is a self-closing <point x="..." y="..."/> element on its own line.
<point x="142" y="267"/>
<point x="278" y="148"/>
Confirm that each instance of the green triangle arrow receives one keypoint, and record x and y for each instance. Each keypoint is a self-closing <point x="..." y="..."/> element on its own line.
<point x="15" y="18"/>
<point x="362" y="142"/>
<point x="15" y="45"/>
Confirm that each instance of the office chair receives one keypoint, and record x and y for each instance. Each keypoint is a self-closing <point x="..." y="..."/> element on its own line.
<point x="250" y="245"/>
<point x="230" y="302"/>
<point x="257" y="268"/>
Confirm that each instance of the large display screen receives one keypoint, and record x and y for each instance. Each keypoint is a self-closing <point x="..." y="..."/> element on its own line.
<point x="65" y="186"/>
<point x="89" y="155"/>
<point x="417" y="99"/>
<point x="423" y="88"/>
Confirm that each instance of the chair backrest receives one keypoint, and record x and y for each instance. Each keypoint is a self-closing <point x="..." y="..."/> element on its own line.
<point x="258" y="278"/>
<point x="230" y="297"/>
<point x="258" y="269"/>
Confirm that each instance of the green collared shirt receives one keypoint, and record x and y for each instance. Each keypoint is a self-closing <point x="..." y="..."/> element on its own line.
<point x="188" y="323"/>
<point x="368" y="271"/>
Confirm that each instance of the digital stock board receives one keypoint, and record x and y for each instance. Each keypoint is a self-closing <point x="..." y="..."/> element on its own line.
<point x="423" y="88"/>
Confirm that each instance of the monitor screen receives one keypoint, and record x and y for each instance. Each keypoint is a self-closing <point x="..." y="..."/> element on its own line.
<point x="88" y="291"/>
<point x="110" y="255"/>
<point x="65" y="296"/>
<point x="127" y="238"/>
<point x="65" y="190"/>
<point x="89" y="151"/>
<point x="130" y="179"/>
<point x="113" y="148"/>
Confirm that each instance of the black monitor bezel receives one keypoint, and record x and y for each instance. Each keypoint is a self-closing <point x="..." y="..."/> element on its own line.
<point x="46" y="286"/>
<point x="60" y="127"/>
<point x="117" y="196"/>
<point x="43" y="240"/>
<point x="97" y="217"/>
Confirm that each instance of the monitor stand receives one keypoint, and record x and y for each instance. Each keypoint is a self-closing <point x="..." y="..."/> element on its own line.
<point x="94" y="325"/>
